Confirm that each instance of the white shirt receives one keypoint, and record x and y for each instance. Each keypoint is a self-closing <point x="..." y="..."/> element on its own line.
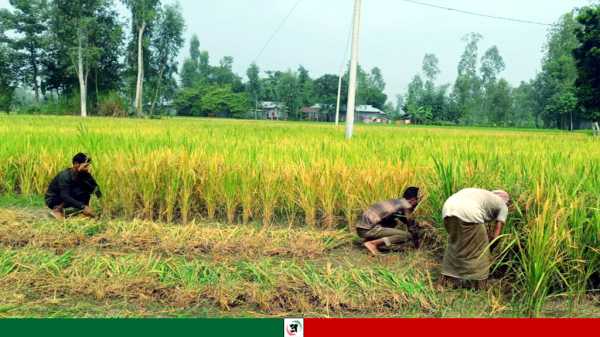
<point x="474" y="205"/>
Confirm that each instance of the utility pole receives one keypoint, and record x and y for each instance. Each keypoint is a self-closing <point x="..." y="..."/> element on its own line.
<point x="353" y="70"/>
<point x="339" y="97"/>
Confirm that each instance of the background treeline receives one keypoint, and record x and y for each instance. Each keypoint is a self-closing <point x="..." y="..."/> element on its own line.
<point x="82" y="57"/>
<point x="555" y="98"/>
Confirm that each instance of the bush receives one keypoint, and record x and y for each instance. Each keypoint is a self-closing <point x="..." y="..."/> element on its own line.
<point x="53" y="106"/>
<point x="112" y="104"/>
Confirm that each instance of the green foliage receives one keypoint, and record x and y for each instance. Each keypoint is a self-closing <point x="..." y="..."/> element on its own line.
<point x="97" y="25"/>
<point x="587" y="58"/>
<point x="211" y="100"/>
<point x="112" y="104"/>
<point x="431" y="67"/>
<point x="499" y="102"/>
<point x="524" y="105"/>
<point x="370" y="89"/>
<point x="467" y="88"/>
<point x="190" y="69"/>
<point x="253" y="87"/>
<point x="326" y="89"/>
<point x="8" y="80"/>
<point x="167" y="40"/>
<point x="221" y="101"/>
<point x="27" y="23"/>
<point x="558" y="76"/>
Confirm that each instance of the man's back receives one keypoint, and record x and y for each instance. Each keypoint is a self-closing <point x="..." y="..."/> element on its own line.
<point x="64" y="178"/>
<point x="474" y="205"/>
<point x="381" y="211"/>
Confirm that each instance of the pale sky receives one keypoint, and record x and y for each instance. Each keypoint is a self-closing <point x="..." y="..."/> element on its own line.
<point x="395" y="34"/>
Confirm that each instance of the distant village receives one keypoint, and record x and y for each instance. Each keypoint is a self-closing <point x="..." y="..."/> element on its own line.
<point x="367" y="114"/>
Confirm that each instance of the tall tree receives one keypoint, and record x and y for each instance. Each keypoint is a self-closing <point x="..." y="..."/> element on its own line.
<point x="108" y="36"/>
<point x="287" y="90"/>
<point x="372" y="90"/>
<point x="559" y="73"/>
<point x="167" y="40"/>
<point x="500" y="102"/>
<point x="431" y="71"/>
<point x="414" y="97"/>
<point x="204" y="65"/>
<point x="27" y="23"/>
<point x="587" y="59"/>
<point x="305" y="86"/>
<point x="431" y="68"/>
<point x="8" y="81"/>
<point x="467" y="86"/>
<point x="189" y="70"/>
<point x="253" y="86"/>
<point x="222" y="74"/>
<point x="524" y="105"/>
<point x="399" y="112"/>
<point x="326" y="90"/>
<point x="102" y="48"/>
<point x="143" y="15"/>
<point x="84" y="21"/>
<point x="79" y="24"/>
<point x="492" y="64"/>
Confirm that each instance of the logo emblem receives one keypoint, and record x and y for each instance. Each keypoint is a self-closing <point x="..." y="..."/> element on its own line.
<point x="293" y="327"/>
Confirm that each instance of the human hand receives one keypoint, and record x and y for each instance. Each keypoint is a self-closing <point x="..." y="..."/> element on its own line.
<point x="87" y="210"/>
<point x="425" y="224"/>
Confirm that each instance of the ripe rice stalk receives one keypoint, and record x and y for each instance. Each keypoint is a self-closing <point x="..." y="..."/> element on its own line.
<point x="328" y="193"/>
<point x="541" y="250"/>
<point x="212" y="185"/>
<point x="171" y="182"/>
<point x="231" y="185"/>
<point x="306" y="187"/>
<point x="270" y="186"/>
<point x="188" y="180"/>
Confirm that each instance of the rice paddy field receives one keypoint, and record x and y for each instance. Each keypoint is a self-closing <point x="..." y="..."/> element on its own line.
<point x="214" y="218"/>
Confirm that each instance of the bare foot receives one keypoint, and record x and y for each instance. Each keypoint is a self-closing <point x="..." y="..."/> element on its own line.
<point x="57" y="214"/>
<point x="372" y="248"/>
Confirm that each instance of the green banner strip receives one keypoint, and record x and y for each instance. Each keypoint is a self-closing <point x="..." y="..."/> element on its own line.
<point x="141" y="327"/>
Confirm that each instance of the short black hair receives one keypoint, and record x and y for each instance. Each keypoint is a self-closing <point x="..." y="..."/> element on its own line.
<point x="411" y="193"/>
<point x="81" y="158"/>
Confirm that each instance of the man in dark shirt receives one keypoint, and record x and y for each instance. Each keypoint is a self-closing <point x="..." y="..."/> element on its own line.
<point x="72" y="188"/>
<point x="378" y="223"/>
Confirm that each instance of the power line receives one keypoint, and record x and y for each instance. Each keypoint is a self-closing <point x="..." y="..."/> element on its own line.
<point x="477" y="14"/>
<point x="344" y="62"/>
<point x="277" y="30"/>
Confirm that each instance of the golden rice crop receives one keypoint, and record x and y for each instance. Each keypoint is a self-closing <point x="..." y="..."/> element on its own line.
<point x="180" y="170"/>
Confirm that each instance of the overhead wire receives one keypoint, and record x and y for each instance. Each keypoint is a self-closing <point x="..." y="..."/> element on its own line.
<point x="505" y="18"/>
<point x="276" y="31"/>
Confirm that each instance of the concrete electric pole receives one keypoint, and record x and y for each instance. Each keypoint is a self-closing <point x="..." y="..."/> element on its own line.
<point x="339" y="97"/>
<point x="353" y="70"/>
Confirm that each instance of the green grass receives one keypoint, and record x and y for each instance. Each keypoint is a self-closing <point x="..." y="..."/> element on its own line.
<point x="12" y="200"/>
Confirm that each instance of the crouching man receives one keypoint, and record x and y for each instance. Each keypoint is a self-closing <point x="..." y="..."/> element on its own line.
<point x="466" y="213"/>
<point x="72" y="188"/>
<point x="378" y="224"/>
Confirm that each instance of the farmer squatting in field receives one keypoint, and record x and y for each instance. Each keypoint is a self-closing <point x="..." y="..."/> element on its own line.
<point x="378" y="224"/>
<point x="467" y="256"/>
<point x="72" y="188"/>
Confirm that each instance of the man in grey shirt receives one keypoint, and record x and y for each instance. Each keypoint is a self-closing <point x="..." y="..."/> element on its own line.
<point x="465" y="214"/>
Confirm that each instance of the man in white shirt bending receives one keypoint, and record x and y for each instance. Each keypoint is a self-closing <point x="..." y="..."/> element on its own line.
<point x="466" y="214"/>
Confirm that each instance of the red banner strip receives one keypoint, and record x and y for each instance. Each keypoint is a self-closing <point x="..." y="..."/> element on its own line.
<point x="450" y="327"/>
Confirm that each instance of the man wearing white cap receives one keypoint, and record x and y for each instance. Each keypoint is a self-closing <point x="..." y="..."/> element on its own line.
<point x="466" y="214"/>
